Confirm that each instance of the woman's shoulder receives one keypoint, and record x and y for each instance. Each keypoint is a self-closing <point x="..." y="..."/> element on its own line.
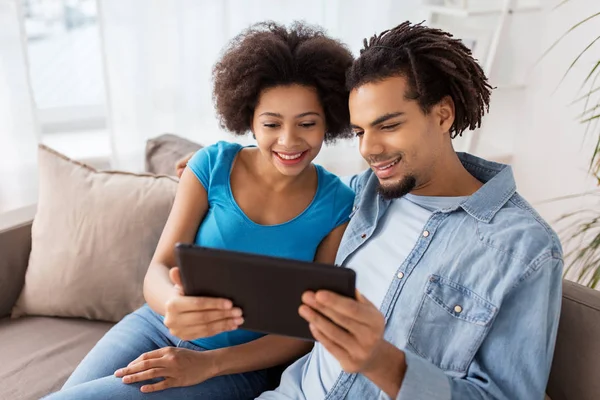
<point x="209" y="161"/>
<point x="332" y="187"/>
<point x="215" y="152"/>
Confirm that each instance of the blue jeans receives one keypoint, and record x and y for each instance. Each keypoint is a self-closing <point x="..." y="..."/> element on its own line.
<point x="138" y="333"/>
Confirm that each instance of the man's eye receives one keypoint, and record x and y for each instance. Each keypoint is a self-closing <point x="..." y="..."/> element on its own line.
<point x="390" y="127"/>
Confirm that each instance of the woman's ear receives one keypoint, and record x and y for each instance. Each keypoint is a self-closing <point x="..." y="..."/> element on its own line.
<point x="252" y="128"/>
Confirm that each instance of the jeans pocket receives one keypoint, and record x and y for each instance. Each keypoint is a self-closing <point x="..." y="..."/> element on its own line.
<point x="450" y="325"/>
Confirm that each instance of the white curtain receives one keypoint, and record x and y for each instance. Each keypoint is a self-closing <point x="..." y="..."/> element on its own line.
<point x="158" y="56"/>
<point x="18" y="127"/>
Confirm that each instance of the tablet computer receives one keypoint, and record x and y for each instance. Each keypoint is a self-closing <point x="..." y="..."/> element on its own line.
<point x="267" y="289"/>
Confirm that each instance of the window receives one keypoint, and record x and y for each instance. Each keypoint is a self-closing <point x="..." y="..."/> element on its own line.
<point x="65" y="65"/>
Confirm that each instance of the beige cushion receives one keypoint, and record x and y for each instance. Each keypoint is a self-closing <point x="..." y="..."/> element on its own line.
<point x="38" y="354"/>
<point x="163" y="152"/>
<point x="92" y="239"/>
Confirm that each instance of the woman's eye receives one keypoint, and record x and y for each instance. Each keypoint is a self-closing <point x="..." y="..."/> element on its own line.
<point x="358" y="133"/>
<point x="307" y="124"/>
<point x="270" y="125"/>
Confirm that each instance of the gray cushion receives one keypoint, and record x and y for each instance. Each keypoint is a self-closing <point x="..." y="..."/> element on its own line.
<point x="164" y="151"/>
<point x="38" y="353"/>
<point x="15" y="245"/>
<point x="576" y="366"/>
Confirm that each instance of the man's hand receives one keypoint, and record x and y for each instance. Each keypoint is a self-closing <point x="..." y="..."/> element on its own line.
<point x="179" y="367"/>
<point x="354" y="336"/>
<point x="181" y="164"/>
<point x="191" y="318"/>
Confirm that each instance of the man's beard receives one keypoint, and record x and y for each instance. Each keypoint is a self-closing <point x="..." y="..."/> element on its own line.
<point x="398" y="189"/>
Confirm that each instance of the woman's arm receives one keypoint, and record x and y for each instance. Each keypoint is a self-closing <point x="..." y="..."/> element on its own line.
<point x="189" y="208"/>
<point x="272" y="350"/>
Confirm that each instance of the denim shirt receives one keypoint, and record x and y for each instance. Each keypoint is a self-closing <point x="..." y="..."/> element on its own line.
<point x="475" y="305"/>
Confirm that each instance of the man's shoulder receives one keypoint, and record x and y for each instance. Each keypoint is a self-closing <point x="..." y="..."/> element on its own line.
<point x="521" y="233"/>
<point x="358" y="181"/>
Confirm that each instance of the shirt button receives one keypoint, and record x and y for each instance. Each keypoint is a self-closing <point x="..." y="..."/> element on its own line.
<point x="400" y="275"/>
<point x="425" y="233"/>
<point x="457" y="309"/>
<point x="364" y="235"/>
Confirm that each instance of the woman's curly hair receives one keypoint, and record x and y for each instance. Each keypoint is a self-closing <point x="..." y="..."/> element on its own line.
<point x="268" y="55"/>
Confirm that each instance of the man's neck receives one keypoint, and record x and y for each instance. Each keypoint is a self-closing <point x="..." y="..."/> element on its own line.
<point x="449" y="179"/>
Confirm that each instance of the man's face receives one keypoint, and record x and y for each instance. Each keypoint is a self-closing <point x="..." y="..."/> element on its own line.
<point x="400" y="142"/>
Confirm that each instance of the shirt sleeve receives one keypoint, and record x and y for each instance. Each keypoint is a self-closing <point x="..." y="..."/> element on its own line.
<point x="514" y="360"/>
<point x="203" y="162"/>
<point x="344" y="200"/>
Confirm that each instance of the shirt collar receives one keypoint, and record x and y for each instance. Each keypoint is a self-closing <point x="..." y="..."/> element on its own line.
<point x="498" y="187"/>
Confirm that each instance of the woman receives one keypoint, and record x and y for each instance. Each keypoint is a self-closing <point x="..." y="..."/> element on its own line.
<point x="287" y="87"/>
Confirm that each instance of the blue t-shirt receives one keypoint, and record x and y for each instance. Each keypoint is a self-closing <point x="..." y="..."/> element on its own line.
<point x="225" y="226"/>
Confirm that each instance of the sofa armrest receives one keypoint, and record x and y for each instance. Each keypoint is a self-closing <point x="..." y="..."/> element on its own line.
<point x="576" y="364"/>
<point x="15" y="246"/>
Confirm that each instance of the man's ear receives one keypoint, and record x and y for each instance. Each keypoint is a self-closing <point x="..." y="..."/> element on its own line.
<point x="445" y="113"/>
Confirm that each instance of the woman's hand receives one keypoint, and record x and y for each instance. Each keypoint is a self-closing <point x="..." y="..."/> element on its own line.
<point x="191" y="318"/>
<point x="179" y="367"/>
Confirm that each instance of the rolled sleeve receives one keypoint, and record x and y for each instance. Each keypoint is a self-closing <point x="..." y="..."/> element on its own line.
<point x="423" y="380"/>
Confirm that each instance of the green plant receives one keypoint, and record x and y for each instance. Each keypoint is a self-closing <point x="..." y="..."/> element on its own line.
<point x="582" y="232"/>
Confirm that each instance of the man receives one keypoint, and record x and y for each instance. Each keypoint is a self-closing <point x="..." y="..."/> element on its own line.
<point x="459" y="279"/>
<point x="462" y="276"/>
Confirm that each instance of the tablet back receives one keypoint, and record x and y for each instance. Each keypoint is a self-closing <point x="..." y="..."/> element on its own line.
<point x="267" y="289"/>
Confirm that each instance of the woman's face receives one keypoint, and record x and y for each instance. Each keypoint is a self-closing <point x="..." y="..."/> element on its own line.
<point x="289" y="125"/>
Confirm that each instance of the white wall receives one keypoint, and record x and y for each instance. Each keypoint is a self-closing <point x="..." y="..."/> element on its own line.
<point x="551" y="156"/>
<point x="535" y="124"/>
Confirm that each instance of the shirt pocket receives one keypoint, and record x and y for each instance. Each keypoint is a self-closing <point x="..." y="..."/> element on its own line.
<point x="450" y="325"/>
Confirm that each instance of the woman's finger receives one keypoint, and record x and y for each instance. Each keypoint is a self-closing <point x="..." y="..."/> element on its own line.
<point x="194" y="318"/>
<point x="146" y="358"/>
<point x="156" y="387"/>
<point x="145" y="375"/>
<point x="183" y="304"/>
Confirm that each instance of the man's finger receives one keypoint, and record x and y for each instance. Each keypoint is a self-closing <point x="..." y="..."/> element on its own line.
<point x="333" y="332"/>
<point x="349" y="324"/>
<point x="338" y="352"/>
<point x="362" y="299"/>
<point x="353" y="309"/>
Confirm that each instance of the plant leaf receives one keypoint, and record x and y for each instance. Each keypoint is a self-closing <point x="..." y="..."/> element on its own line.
<point x="583" y="114"/>
<point x="585" y="96"/>
<point x="590" y="74"/>
<point x="562" y="3"/>
<point x="590" y="118"/>
<point x="577" y="25"/>
<point x="577" y="59"/>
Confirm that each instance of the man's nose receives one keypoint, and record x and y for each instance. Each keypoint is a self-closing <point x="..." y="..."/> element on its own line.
<point x="370" y="145"/>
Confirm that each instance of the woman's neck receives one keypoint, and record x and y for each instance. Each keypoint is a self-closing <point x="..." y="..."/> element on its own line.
<point x="270" y="177"/>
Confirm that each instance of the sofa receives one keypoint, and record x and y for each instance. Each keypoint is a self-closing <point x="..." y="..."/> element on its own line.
<point x="37" y="354"/>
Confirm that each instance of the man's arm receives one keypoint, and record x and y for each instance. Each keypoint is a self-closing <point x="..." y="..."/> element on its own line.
<point x="513" y="362"/>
